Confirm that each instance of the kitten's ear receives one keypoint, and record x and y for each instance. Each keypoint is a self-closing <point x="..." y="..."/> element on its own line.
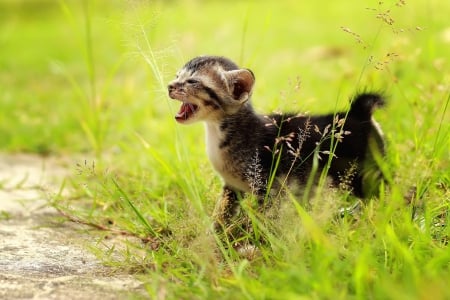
<point x="241" y="84"/>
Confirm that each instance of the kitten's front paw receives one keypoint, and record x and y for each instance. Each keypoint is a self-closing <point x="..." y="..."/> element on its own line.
<point x="218" y="227"/>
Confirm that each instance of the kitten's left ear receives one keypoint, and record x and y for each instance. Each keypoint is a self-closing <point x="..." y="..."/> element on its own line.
<point x="241" y="84"/>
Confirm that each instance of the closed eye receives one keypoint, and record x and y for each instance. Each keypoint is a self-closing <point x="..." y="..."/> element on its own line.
<point x="192" y="81"/>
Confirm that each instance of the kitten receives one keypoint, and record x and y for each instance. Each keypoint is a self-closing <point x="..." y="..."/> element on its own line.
<point x="245" y="148"/>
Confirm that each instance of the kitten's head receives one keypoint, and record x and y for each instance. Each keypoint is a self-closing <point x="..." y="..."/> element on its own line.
<point x="210" y="88"/>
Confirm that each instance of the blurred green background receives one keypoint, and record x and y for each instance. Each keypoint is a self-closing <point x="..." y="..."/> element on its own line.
<point x="87" y="78"/>
<point x="74" y="75"/>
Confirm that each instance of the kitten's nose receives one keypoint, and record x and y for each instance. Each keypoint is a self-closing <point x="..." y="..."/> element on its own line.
<point x="173" y="86"/>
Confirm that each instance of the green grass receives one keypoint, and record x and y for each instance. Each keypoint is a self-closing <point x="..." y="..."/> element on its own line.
<point x="87" y="79"/>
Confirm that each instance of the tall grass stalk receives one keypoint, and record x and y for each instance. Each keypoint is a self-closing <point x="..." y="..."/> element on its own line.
<point x="92" y="115"/>
<point x="445" y="135"/>
<point x="186" y="171"/>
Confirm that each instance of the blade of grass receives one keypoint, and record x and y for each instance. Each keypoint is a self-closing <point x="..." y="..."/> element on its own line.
<point x="135" y="210"/>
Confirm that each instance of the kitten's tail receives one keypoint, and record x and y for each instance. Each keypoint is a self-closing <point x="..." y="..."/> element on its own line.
<point x="363" y="105"/>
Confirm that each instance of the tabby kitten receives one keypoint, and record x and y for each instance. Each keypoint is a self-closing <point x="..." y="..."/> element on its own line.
<point x="246" y="148"/>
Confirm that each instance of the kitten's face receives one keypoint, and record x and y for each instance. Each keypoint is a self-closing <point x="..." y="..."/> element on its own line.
<point x="210" y="88"/>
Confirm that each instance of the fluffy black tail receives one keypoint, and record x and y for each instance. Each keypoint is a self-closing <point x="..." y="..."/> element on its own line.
<point x="363" y="105"/>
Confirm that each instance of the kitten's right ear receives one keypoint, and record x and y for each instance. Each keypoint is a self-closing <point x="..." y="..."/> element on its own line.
<point x="241" y="84"/>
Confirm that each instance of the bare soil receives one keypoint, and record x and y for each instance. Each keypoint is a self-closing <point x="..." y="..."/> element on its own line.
<point x="39" y="257"/>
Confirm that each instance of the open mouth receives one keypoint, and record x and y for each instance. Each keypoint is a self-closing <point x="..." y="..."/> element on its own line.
<point x="186" y="111"/>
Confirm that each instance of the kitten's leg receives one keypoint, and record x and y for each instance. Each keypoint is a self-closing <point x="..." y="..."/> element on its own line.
<point x="226" y="208"/>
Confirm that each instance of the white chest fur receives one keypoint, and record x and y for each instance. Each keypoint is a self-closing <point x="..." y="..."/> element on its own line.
<point x="215" y="155"/>
<point x="220" y="160"/>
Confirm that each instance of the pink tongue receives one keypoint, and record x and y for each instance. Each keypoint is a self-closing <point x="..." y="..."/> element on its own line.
<point x="185" y="111"/>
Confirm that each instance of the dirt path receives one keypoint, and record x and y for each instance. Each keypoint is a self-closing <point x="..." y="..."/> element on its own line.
<point x="40" y="259"/>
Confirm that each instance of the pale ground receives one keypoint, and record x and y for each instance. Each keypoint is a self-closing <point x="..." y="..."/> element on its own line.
<point x="41" y="258"/>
